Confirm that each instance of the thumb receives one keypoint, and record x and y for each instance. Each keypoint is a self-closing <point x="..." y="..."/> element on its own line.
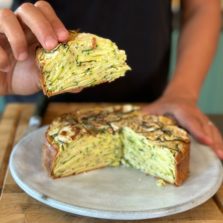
<point x="195" y="128"/>
<point x="152" y="109"/>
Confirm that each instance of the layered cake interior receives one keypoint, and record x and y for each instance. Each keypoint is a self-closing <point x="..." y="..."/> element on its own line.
<point x="85" y="60"/>
<point x="88" y="139"/>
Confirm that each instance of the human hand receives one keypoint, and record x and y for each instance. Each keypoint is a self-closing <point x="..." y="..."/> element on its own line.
<point x="189" y="116"/>
<point x="20" y="33"/>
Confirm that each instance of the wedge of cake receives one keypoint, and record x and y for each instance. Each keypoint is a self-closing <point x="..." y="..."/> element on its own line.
<point x="85" y="60"/>
<point x="88" y="139"/>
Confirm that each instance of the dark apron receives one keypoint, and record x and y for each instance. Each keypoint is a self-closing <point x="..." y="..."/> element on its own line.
<point x="142" y="28"/>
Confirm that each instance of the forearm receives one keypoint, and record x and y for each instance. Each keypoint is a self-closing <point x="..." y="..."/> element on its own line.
<point x="201" y="23"/>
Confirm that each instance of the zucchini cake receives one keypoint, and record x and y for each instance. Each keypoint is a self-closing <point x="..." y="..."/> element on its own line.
<point x="85" y="60"/>
<point x="93" y="138"/>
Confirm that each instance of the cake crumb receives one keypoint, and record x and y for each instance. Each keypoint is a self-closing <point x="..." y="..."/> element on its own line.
<point x="127" y="108"/>
<point x="160" y="183"/>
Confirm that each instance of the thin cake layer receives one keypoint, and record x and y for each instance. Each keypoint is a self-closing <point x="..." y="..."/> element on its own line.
<point x="87" y="153"/>
<point x="85" y="60"/>
<point x="94" y="138"/>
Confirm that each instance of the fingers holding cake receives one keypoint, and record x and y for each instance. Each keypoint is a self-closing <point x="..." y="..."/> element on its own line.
<point x="10" y="25"/>
<point x="205" y="131"/>
<point x="40" y="19"/>
<point x="49" y="13"/>
<point x="21" y="31"/>
<point x="189" y="116"/>
<point x="217" y="141"/>
<point x="34" y="19"/>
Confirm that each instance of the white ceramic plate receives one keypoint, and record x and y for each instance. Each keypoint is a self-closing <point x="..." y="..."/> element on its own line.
<point x="114" y="193"/>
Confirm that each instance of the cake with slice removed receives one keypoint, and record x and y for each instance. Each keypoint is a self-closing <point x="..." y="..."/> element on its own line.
<point x="93" y="138"/>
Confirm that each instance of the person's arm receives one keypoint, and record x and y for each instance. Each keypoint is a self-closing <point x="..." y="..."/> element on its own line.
<point x="201" y="22"/>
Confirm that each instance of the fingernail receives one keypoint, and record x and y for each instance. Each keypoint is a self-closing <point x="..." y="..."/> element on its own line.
<point x="220" y="153"/>
<point x="209" y="141"/>
<point x="50" y="42"/>
<point x="63" y="35"/>
<point x="205" y="139"/>
<point x="22" y="56"/>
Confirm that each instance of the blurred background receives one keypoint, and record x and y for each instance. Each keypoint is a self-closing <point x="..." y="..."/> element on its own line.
<point x="211" y="99"/>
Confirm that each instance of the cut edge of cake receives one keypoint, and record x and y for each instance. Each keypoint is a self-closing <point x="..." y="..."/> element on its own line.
<point x="131" y="117"/>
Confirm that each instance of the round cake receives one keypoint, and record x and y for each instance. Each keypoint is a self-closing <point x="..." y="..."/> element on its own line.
<point x="93" y="138"/>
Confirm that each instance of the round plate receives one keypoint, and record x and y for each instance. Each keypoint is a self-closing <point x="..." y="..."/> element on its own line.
<point x="114" y="193"/>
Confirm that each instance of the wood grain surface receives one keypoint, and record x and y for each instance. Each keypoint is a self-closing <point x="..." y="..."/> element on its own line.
<point x="16" y="206"/>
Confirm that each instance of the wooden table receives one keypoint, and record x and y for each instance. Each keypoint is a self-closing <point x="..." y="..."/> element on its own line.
<point x="16" y="206"/>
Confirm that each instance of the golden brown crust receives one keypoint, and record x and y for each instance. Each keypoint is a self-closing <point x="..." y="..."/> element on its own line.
<point x="41" y="79"/>
<point x="49" y="156"/>
<point x="182" y="165"/>
<point x="43" y="85"/>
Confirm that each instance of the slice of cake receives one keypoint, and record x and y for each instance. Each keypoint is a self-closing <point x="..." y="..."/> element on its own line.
<point x="88" y="139"/>
<point x="85" y="60"/>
